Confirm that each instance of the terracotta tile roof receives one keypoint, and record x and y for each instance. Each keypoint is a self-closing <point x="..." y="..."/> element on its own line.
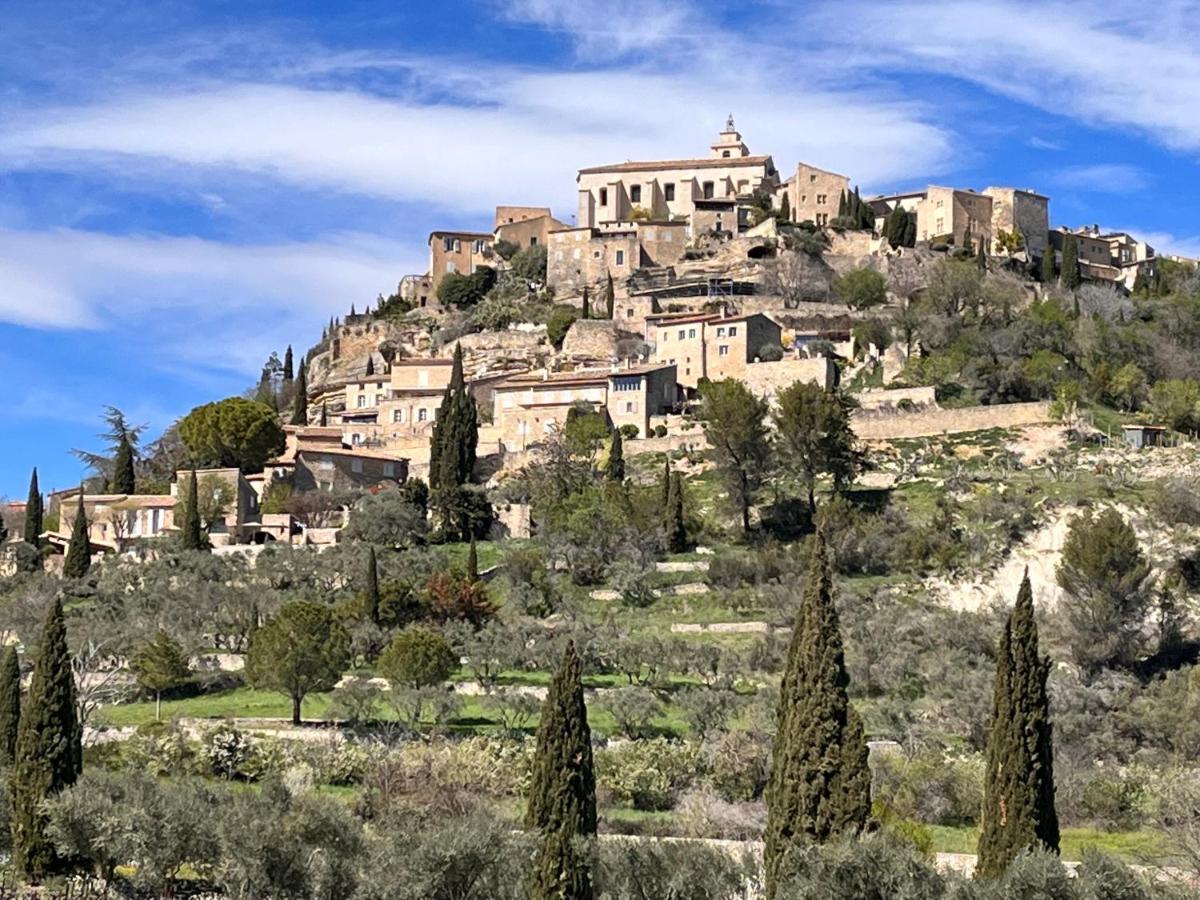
<point x="580" y="377"/>
<point x="714" y="162"/>
<point x="663" y="320"/>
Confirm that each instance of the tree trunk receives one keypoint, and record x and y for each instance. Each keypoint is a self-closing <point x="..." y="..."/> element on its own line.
<point x="158" y="706"/>
<point x="295" y="710"/>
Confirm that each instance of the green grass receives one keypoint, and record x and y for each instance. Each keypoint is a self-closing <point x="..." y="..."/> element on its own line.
<point x="239" y="703"/>
<point x="1130" y="846"/>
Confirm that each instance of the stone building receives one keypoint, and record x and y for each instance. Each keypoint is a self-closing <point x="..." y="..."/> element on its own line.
<point x="1014" y="209"/>
<point x="346" y="469"/>
<point x="525" y="226"/>
<point x="584" y="257"/>
<point x="1116" y="257"/>
<point x="710" y="345"/>
<point x="457" y="251"/>
<point x="813" y="194"/>
<point x="668" y="189"/>
<point x="949" y="213"/>
<point x="529" y="408"/>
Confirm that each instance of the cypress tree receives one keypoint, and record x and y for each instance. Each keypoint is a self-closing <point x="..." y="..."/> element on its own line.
<point x="33" y="512"/>
<point x="968" y="245"/>
<point x="324" y="415"/>
<point x="981" y="256"/>
<point x="676" y="530"/>
<point x="1049" y="273"/>
<point x="49" y="755"/>
<point x="10" y="705"/>
<point x="452" y="445"/>
<point x="370" y="365"/>
<point x="372" y="585"/>
<point x="79" y="552"/>
<point x="785" y="208"/>
<point x="614" y="469"/>
<point x="300" y="397"/>
<point x="472" y="562"/>
<point x="819" y="785"/>
<point x="288" y="370"/>
<point x="1018" y="806"/>
<point x="610" y="296"/>
<point x="1071" y="275"/>
<point x="562" y="790"/>
<point x="123" y="480"/>
<point x="587" y="304"/>
<point x="842" y="205"/>
<point x="665" y="487"/>
<point x="192" y="533"/>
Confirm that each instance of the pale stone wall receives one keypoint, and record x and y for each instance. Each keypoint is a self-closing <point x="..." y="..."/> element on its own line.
<point x="813" y="194"/>
<point x="591" y="339"/>
<point x="1022" y="210"/>
<point x="457" y="251"/>
<point x="946" y="211"/>
<point x="878" y="426"/>
<point x="507" y="215"/>
<point x="890" y="397"/>
<point x="529" y="232"/>
<point x="767" y="379"/>
<point x="661" y="243"/>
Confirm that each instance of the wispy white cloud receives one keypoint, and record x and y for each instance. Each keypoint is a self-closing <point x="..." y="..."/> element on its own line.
<point x="1101" y="178"/>
<point x="1039" y="143"/>
<point x="613" y="27"/>
<point x="1114" y="67"/>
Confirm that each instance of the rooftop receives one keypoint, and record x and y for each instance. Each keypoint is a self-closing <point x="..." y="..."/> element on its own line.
<point x="579" y="376"/>
<point x="720" y="162"/>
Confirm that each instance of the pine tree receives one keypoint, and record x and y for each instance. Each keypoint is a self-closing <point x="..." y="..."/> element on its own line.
<point x="370" y="366"/>
<point x="265" y="394"/>
<point x="676" y="529"/>
<point x="191" y="534"/>
<point x="79" y="552"/>
<point x="1018" y="805"/>
<point x="610" y="296"/>
<point x="472" y="562"/>
<point x="562" y="791"/>
<point x="614" y="468"/>
<point x="819" y="785"/>
<point x="300" y="397"/>
<point x="10" y="705"/>
<point x="587" y="304"/>
<point x="49" y="755"/>
<point x="372" y="585"/>
<point x="33" y="513"/>
<point x="1071" y="276"/>
<point x="288" y="371"/>
<point x="785" y="208"/>
<point x="981" y="257"/>
<point x="158" y="666"/>
<point x="1049" y="273"/>
<point x="123" y="479"/>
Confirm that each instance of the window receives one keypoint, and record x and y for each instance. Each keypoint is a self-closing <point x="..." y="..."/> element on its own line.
<point x="668" y="192"/>
<point x="733" y="331"/>
<point x="533" y="240"/>
<point x="448" y="244"/>
<point x="821" y="198"/>
<point x="450" y="267"/>
<point x="378" y="399"/>
<point x="356" y="466"/>
<point x="721" y="331"/>
<point x="804" y="198"/>
<point x="631" y="406"/>
<point x="812" y="179"/>
<point x="457" y="246"/>
<point x="620" y="257"/>
<point x="479" y="246"/>
<point x="325" y="462"/>
<point x="668" y="235"/>
<point x="362" y="401"/>
<point x="941" y="223"/>
<point x="682" y="334"/>
<point x="635" y="194"/>
<point x="389" y="470"/>
<point x="822" y="218"/>
<point x="629" y="313"/>
<point x="691" y="333"/>
<point x="356" y="439"/>
<point x="666" y="335"/>
<point x="422" y="414"/>
<point x="397" y="415"/>
<point x="723" y="350"/>
<point x="708" y="190"/>
<point x="940" y="203"/>
<point x="604" y="196"/>
<point x="725" y="154"/>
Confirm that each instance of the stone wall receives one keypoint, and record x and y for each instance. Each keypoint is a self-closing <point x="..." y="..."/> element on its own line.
<point x="889" y="425"/>
<point x="591" y="339"/>
<point x="766" y="379"/>
<point x="498" y="350"/>
<point x="891" y="397"/>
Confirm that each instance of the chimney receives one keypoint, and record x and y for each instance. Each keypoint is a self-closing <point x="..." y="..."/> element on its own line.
<point x="629" y="363"/>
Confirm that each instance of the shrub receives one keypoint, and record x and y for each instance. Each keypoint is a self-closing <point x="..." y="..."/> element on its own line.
<point x="418" y="657"/>
<point x="648" y="775"/>
<point x="530" y="264"/>
<point x="226" y="750"/>
<point x="736" y="765"/>
<point x="660" y="431"/>
<point x="562" y="317"/>
<point x="634" y="708"/>
<point x="861" y="288"/>
<point x="770" y="353"/>
<point x="629" y="432"/>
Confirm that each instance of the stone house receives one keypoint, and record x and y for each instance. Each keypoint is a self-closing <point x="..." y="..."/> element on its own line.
<point x="951" y="213"/>
<point x="530" y="407"/>
<point x="346" y="469"/>
<point x="813" y="194"/>
<point x="525" y="226"/>
<point x="1025" y="211"/>
<point x="710" y="345"/>
<point x="584" y="257"/>
<point x="457" y="251"/>
<point x="12" y="518"/>
<point x="1116" y="257"/>
<point x="669" y="189"/>
<point x="418" y="291"/>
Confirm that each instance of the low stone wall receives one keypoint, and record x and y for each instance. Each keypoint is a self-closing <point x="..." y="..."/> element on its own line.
<point x="883" y="425"/>
<point x="766" y="379"/>
<point x="891" y="397"/>
<point x="691" y="441"/>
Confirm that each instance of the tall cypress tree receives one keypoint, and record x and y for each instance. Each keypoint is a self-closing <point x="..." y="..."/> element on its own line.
<point x="1071" y="275"/>
<point x="843" y="206"/>
<point x="300" y="397"/>
<point x="587" y="304"/>
<point x="372" y="585"/>
<point x="324" y="415"/>
<point x="614" y="468"/>
<point x="288" y="372"/>
<point x="1049" y="271"/>
<point x="610" y="296"/>
<point x="49" y="755"/>
<point x="665" y="485"/>
<point x="785" y="208"/>
<point x="370" y="370"/>
<point x="981" y="256"/>
<point x="472" y="562"/>
<point x="10" y="705"/>
<point x="675" y="527"/>
<point x="33" y="513"/>
<point x="123" y="479"/>
<point x="79" y="552"/>
<point x="968" y="245"/>
<point x="562" y="790"/>
<point x="1018" y="805"/>
<point x="820" y="785"/>
<point x="452" y="445"/>
<point x="192" y="535"/>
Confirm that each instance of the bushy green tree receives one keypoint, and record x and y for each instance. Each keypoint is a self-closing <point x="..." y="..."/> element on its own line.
<point x="10" y="705"/>
<point x="530" y="264"/>
<point x="1018" y="806"/>
<point x="418" y="657"/>
<point x="49" y="754"/>
<point x="34" y="512"/>
<point x="820" y="785"/>
<point x="78" y="558"/>
<point x="160" y="665"/>
<point x="861" y="288"/>
<point x="562" y="790"/>
<point x="461" y="291"/>
<point x="232" y="433"/>
<point x="562" y="317"/>
<point x="815" y="437"/>
<point x="1175" y="402"/>
<point x="372" y="590"/>
<point x="303" y="649"/>
<point x="735" y="425"/>
<point x="1104" y="575"/>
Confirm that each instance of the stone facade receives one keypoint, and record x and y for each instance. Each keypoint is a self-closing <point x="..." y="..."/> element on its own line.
<point x="896" y="425"/>
<point x="346" y="469"/>
<point x="592" y="339"/>
<point x="709" y="346"/>
<point x="584" y="257"/>
<point x="1023" y="211"/>
<point x="813" y="194"/>
<point x="767" y="379"/>
<point x="457" y="251"/>
<point x="947" y="212"/>
<point x="1116" y="257"/>
<point x="530" y="232"/>
<point x="667" y="189"/>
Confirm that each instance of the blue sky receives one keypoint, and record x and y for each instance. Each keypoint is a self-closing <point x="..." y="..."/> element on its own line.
<point x="185" y="187"/>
